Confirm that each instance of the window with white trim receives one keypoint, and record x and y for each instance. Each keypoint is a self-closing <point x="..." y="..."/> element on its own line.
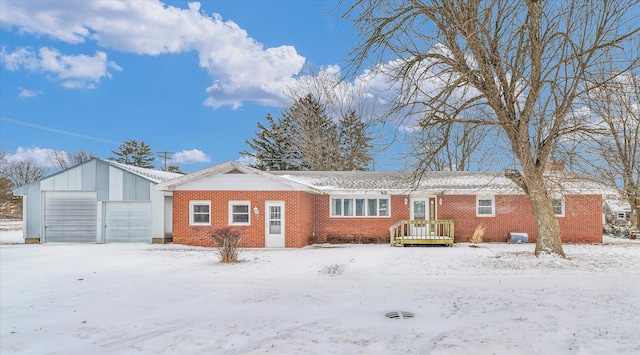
<point x="485" y="206"/>
<point x="200" y="213"/>
<point x="558" y="206"/>
<point x="239" y="213"/>
<point x="622" y="215"/>
<point x="359" y="207"/>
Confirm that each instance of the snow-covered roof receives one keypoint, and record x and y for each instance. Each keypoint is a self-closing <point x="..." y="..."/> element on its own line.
<point x="156" y="176"/>
<point x="617" y="205"/>
<point x="433" y="182"/>
<point x="441" y="182"/>
<point x="402" y="182"/>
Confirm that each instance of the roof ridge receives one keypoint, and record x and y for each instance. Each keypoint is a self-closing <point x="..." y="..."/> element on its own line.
<point x="152" y="174"/>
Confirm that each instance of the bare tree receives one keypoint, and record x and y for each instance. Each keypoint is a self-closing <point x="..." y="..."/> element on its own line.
<point x="62" y="160"/>
<point x="617" y="105"/>
<point x="453" y="147"/>
<point x="21" y="173"/>
<point x="6" y="195"/>
<point x="525" y="61"/>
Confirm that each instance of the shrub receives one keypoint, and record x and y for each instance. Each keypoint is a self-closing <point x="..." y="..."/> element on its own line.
<point x="356" y="239"/>
<point x="616" y="231"/>
<point x="227" y="241"/>
<point x="478" y="234"/>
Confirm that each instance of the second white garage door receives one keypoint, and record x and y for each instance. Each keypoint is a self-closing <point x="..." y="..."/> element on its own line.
<point x="127" y="222"/>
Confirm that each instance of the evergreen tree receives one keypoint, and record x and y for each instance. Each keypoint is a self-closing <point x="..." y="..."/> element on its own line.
<point x="271" y="147"/>
<point x="355" y="144"/>
<point x="175" y="169"/>
<point x="313" y="134"/>
<point x="306" y="138"/>
<point x="134" y="153"/>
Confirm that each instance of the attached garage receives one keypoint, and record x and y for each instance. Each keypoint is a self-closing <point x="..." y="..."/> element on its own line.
<point x="99" y="201"/>
<point x="70" y="216"/>
<point x="127" y="222"/>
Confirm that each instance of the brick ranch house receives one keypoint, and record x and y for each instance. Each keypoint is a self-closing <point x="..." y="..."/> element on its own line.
<point x="298" y="208"/>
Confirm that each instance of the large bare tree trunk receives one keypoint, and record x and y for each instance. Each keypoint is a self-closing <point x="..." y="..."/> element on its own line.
<point x="549" y="239"/>
<point x="549" y="235"/>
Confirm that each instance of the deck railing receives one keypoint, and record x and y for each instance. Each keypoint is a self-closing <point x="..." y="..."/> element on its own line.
<point x="421" y="232"/>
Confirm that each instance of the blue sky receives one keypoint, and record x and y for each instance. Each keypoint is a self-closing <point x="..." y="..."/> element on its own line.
<point x="188" y="78"/>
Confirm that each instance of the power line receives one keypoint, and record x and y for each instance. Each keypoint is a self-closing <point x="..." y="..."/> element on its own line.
<point x="165" y="156"/>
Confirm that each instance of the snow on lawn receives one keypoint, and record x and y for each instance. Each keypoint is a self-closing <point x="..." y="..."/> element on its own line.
<point x="140" y="298"/>
<point x="11" y="232"/>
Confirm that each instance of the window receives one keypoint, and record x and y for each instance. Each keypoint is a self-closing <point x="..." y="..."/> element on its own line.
<point x="558" y="206"/>
<point x="348" y="207"/>
<point x="383" y="207"/>
<point x="359" y="207"/>
<point x="200" y="213"/>
<point x="239" y="213"/>
<point x="373" y="206"/>
<point x="336" y="207"/>
<point x="485" y="206"/>
<point x="621" y="215"/>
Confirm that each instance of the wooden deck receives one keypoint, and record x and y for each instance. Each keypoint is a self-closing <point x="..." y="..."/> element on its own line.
<point x="421" y="232"/>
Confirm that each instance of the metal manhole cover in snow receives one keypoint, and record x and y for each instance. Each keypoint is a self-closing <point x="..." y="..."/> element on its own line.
<point x="399" y="315"/>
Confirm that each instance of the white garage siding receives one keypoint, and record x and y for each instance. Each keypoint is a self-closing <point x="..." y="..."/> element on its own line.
<point x="127" y="222"/>
<point x="70" y="216"/>
<point x="70" y="205"/>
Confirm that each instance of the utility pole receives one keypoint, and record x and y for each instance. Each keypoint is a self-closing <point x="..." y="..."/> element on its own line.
<point x="165" y="156"/>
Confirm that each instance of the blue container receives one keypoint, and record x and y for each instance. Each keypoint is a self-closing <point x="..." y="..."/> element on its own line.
<point x="519" y="237"/>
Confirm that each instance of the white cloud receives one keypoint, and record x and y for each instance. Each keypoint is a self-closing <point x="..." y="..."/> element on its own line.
<point x="190" y="156"/>
<point x="241" y="68"/>
<point x="40" y="156"/>
<point x="26" y="93"/>
<point x="247" y="160"/>
<point x="74" y="71"/>
<point x="23" y="58"/>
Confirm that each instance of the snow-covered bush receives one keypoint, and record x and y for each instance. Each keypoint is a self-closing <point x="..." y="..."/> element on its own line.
<point x="616" y="231"/>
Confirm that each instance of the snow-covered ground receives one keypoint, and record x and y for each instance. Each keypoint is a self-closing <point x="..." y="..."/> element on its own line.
<point x="11" y="232"/>
<point x="173" y="299"/>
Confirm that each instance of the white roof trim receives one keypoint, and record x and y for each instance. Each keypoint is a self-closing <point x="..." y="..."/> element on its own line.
<point x="225" y="168"/>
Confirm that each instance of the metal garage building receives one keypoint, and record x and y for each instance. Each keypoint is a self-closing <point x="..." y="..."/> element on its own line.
<point x="99" y="201"/>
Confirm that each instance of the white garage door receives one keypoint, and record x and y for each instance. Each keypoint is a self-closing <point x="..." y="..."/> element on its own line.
<point x="70" y="216"/>
<point x="127" y="221"/>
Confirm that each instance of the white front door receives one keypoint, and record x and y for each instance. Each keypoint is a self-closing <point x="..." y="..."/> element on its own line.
<point x="274" y="224"/>
<point x="418" y="213"/>
<point x="423" y="209"/>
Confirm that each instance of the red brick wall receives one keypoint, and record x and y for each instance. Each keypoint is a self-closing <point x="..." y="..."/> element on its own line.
<point x="326" y="226"/>
<point x="298" y="216"/>
<point x="307" y="218"/>
<point x="582" y="222"/>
